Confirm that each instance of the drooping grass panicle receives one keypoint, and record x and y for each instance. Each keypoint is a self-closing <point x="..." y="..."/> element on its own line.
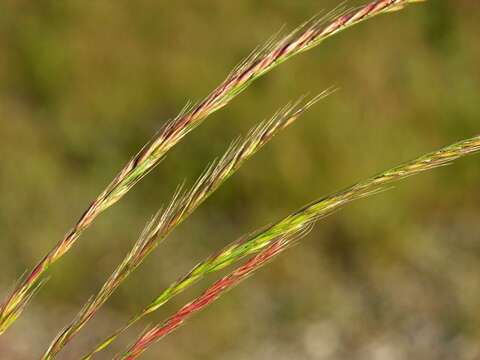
<point x="154" y="151"/>
<point x="301" y="220"/>
<point x="180" y="207"/>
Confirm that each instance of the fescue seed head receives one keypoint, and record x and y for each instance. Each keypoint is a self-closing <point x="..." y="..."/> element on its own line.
<point x="278" y="237"/>
<point x="154" y="151"/>
<point x="180" y="207"/>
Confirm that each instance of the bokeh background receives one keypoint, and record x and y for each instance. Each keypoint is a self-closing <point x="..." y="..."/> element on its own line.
<point x="84" y="84"/>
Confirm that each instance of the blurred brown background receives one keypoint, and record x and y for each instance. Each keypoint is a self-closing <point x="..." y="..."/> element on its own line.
<point x="84" y="84"/>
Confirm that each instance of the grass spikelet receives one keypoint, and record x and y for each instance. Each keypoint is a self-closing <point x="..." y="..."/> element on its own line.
<point x="180" y="207"/>
<point x="208" y="297"/>
<point x="301" y="220"/>
<point x="153" y="152"/>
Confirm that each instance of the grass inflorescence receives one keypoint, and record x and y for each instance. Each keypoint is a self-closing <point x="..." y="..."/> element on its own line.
<point x="255" y="66"/>
<point x="260" y="246"/>
<point x="278" y="237"/>
<point x="180" y="207"/>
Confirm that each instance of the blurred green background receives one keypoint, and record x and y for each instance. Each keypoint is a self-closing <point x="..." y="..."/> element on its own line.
<point x="84" y="84"/>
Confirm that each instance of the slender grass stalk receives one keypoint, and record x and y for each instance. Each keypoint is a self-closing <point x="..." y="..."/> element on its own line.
<point x="181" y="206"/>
<point x="298" y="222"/>
<point x="153" y="152"/>
<point x="208" y="297"/>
